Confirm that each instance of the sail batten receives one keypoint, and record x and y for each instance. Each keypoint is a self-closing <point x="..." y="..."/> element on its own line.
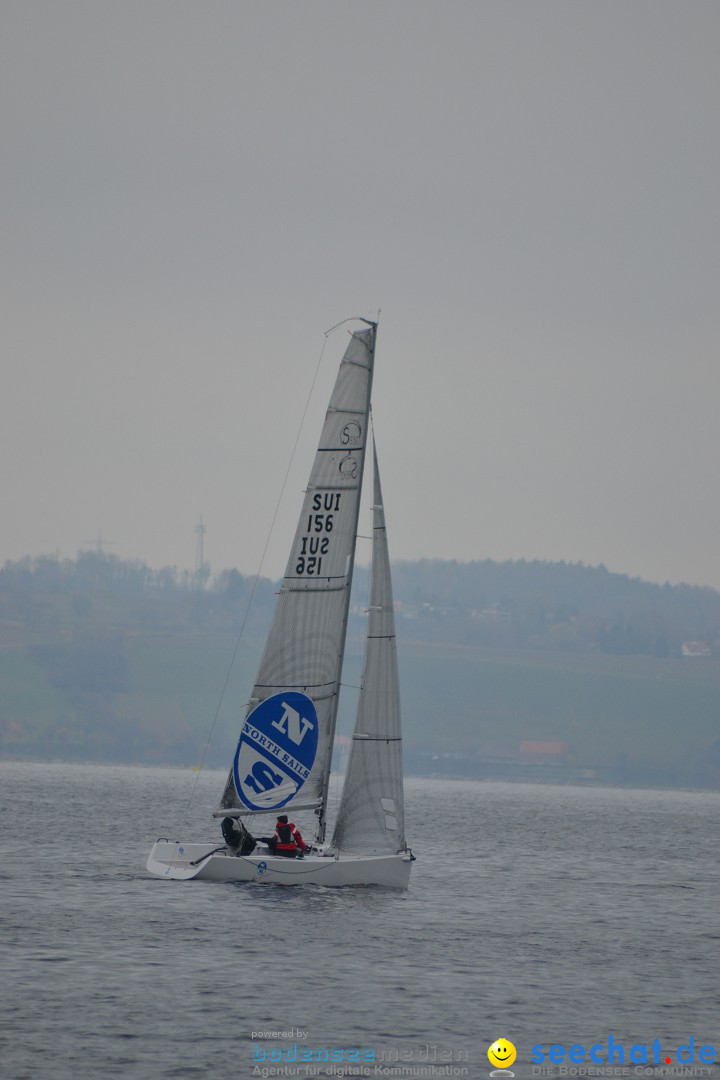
<point x="285" y="747"/>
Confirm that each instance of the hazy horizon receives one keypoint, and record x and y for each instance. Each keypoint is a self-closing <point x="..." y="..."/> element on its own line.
<point x="195" y="193"/>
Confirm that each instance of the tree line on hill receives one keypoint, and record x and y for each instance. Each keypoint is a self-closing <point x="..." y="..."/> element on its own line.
<point x="515" y="605"/>
<point x="556" y="606"/>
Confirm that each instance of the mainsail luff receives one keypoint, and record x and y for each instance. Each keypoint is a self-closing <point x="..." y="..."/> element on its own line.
<point x="285" y="747"/>
<point x="371" y="815"/>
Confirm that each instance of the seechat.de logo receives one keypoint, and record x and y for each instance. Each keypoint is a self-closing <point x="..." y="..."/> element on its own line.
<point x="614" y="1053"/>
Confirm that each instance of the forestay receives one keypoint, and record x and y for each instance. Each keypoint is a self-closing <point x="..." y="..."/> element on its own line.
<point x="285" y="746"/>
<point x="371" y="813"/>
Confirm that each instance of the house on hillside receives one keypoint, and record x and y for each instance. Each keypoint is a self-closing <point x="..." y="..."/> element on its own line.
<point x="695" y="648"/>
<point x="545" y="753"/>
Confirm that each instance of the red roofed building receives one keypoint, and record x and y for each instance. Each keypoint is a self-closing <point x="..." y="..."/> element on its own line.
<point x="559" y="751"/>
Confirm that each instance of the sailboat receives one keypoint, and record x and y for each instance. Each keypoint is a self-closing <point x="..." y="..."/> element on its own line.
<point x="284" y="753"/>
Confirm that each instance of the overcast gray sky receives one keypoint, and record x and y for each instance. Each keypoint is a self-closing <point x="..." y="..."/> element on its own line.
<point x="194" y="192"/>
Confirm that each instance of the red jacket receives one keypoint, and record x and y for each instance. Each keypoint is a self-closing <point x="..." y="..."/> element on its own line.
<point x="288" y="838"/>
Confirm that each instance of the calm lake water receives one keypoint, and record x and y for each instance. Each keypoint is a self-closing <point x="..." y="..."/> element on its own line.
<point x="541" y="914"/>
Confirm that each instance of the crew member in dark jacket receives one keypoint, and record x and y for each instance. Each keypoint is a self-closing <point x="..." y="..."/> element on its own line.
<point x="237" y="837"/>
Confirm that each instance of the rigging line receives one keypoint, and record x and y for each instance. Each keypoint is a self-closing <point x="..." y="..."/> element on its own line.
<point x="259" y="570"/>
<point x="285" y="873"/>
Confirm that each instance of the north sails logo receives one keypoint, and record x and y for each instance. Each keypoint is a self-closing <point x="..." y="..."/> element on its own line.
<point x="276" y="752"/>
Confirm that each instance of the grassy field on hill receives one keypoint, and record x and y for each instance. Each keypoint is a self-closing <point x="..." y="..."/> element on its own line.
<point x="654" y="720"/>
<point x="632" y="715"/>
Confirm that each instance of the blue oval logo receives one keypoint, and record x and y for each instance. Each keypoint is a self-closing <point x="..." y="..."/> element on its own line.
<point x="276" y="751"/>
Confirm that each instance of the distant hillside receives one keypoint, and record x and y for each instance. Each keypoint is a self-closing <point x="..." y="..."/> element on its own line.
<point x="508" y="669"/>
<point x="556" y="606"/>
<point x="553" y="606"/>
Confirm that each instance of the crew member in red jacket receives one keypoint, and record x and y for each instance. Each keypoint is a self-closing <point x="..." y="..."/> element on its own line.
<point x="287" y="839"/>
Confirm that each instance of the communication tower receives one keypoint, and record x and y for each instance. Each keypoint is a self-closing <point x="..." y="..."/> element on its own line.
<point x="200" y="575"/>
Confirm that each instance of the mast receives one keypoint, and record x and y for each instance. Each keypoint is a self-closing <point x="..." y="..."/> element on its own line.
<point x="322" y="823"/>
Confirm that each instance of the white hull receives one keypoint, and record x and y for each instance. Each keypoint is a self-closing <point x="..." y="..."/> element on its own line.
<point x="175" y="860"/>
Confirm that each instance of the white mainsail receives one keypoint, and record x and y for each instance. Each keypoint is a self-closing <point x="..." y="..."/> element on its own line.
<point x="371" y="816"/>
<point x="285" y="746"/>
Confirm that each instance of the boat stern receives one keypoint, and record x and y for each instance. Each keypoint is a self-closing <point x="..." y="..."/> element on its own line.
<point x="173" y="859"/>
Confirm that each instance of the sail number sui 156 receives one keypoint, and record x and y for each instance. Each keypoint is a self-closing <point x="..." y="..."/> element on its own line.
<point x="316" y="542"/>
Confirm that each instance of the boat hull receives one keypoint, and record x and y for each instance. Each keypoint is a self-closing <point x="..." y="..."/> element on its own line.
<point x="184" y="862"/>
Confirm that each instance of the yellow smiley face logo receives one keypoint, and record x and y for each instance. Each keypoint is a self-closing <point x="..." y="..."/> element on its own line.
<point x="502" y="1053"/>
